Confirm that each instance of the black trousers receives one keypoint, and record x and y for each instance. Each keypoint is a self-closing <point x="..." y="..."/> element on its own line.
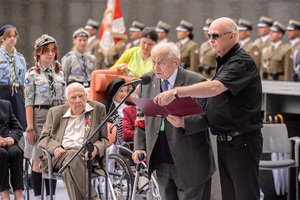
<point x="239" y="166"/>
<point x="11" y="159"/>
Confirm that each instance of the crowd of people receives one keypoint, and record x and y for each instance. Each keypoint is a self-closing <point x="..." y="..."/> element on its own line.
<point x="49" y="104"/>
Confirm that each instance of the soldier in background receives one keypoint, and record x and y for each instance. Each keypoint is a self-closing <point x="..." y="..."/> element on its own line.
<point x="135" y="32"/>
<point x="264" y="26"/>
<point x="79" y="64"/>
<point x="276" y="59"/>
<point x="92" y="27"/>
<point x="162" y="29"/>
<point x="245" y="28"/>
<point x="293" y="30"/>
<point x="189" y="49"/>
<point x="207" y="64"/>
<point x="296" y="66"/>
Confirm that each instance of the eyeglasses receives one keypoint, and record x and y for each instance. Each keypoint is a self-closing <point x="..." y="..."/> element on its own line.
<point x="216" y="36"/>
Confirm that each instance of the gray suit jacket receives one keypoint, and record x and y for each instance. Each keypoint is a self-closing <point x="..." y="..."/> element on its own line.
<point x="55" y="126"/>
<point x="190" y="147"/>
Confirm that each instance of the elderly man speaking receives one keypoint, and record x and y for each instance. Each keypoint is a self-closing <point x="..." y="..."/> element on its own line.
<point x="66" y="128"/>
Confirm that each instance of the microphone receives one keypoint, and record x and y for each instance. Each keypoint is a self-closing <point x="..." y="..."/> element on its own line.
<point x="144" y="80"/>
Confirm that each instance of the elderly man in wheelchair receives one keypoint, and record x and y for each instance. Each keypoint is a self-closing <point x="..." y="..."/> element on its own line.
<point x="65" y="131"/>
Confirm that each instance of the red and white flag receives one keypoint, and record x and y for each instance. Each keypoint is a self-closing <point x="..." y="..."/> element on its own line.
<point x="113" y="31"/>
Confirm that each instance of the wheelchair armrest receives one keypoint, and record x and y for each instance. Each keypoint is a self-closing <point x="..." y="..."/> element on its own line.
<point x="50" y="168"/>
<point x="296" y="139"/>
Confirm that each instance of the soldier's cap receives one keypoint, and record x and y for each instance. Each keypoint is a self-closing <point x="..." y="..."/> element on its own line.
<point x="293" y="25"/>
<point x="278" y="27"/>
<point x="137" y="26"/>
<point x="162" y="27"/>
<point x="208" y="22"/>
<point x="184" y="26"/>
<point x="244" y="25"/>
<point x="114" y="86"/>
<point x="43" y="40"/>
<point x="5" y="27"/>
<point x="91" y="24"/>
<point x="264" y="22"/>
<point x="81" y="32"/>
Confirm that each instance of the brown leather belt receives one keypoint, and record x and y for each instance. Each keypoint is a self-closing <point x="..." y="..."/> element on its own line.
<point x="8" y="87"/>
<point x="227" y="137"/>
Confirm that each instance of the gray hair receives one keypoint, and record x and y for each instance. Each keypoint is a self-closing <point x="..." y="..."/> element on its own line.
<point x="173" y="49"/>
<point x="74" y="84"/>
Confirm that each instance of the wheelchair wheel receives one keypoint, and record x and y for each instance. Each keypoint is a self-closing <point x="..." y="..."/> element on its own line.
<point x="121" y="177"/>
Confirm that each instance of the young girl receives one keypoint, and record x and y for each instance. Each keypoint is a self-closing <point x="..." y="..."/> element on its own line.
<point x="12" y="72"/>
<point x="44" y="88"/>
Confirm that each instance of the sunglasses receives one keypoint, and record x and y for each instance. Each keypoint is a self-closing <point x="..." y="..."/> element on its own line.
<point x="216" y="36"/>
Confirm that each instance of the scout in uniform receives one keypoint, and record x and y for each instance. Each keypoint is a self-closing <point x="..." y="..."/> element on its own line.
<point x="207" y="65"/>
<point x="245" y="28"/>
<point x="92" y="27"/>
<point x="44" y="88"/>
<point x="162" y="29"/>
<point x="276" y="58"/>
<point x="189" y="49"/>
<point x="135" y="32"/>
<point x="79" y="64"/>
<point x="293" y="30"/>
<point x="263" y="26"/>
<point x="12" y="73"/>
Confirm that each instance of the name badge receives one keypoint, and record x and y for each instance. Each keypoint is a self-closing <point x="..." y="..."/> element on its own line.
<point x="42" y="89"/>
<point x="76" y="72"/>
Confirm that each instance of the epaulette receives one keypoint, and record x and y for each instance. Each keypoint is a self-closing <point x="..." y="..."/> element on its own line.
<point x="68" y="54"/>
<point x="31" y="69"/>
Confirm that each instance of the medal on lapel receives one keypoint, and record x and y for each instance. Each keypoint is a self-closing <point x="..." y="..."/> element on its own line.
<point x="87" y="124"/>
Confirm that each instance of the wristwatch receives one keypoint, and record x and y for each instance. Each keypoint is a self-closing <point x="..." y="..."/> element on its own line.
<point x="174" y="92"/>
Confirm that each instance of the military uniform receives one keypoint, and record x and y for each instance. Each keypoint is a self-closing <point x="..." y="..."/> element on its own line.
<point x="113" y="57"/>
<point x="163" y="27"/>
<point x="78" y="66"/>
<point x="189" y="49"/>
<point x="296" y="65"/>
<point x="246" y="43"/>
<point x="136" y="26"/>
<point x="264" y="40"/>
<point x="277" y="63"/>
<point x="207" y="58"/>
<point x="93" y="43"/>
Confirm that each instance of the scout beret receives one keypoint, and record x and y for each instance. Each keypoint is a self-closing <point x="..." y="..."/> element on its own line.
<point x="91" y="24"/>
<point x="244" y="25"/>
<point x="264" y="22"/>
<point x="5" y="27"/>
<point x="184" y="26"/>
<point x="207" y="24"/>
<point x="43" y="40"/>
<point x="114" y="86"/>
<point x="162" y="27"/>
<point x="293" y="24"/>
<point x="80" y="32"/>
<point x="278" y="27"/>
<point x="137" y="26"/>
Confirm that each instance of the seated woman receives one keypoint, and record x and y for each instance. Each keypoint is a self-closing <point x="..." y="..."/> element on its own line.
<point x="111" y="104"/>
<point x="11" y="155"/>
<point x="136" y="61"/>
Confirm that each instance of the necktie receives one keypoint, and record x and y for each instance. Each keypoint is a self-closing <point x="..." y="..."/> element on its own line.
<point x="50" y="81"/>
<point x="84" y="70"/>
<point x="164" y="85"/>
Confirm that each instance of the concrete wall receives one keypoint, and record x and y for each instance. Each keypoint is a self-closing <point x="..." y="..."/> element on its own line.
<point x="60" y="18"/>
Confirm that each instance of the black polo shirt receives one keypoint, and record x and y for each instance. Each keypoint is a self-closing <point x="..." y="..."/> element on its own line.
<point x="238" y="108"/>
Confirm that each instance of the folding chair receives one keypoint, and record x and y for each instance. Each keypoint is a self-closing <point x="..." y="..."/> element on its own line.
<point x="276" y="141"/>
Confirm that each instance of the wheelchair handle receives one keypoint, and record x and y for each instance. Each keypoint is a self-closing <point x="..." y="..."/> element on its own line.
<point x="141" y="156"/>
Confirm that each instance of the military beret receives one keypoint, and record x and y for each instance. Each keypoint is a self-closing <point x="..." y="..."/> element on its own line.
<point x="293" y="24"/>
<point x="5" y="27"/>
<point x="278" y="27"/>
<point x="91" y="24"/>
<point x="264" y="22"/>
<point x="43" y="40"/>
<point x="162" y="27"/>
<point x="114" y="86"/>
<point x="81" y="32"/>
<point x="137" y="26"/>
<point x="184" y="26"/>
<point x="244" y="25"/>
<point x="207" y="24"/>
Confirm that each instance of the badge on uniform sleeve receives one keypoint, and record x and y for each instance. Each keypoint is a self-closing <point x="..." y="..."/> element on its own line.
<point x="291" y="56"/>
<point x="20" y="71"/>
<point x="42" y="89"/>
<point x="99" y="50"/>
<point x="27" y="81"/>
<point x="255" y="53"/>
<point x="196" y="51"/>
<point x="76" y="72"/>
